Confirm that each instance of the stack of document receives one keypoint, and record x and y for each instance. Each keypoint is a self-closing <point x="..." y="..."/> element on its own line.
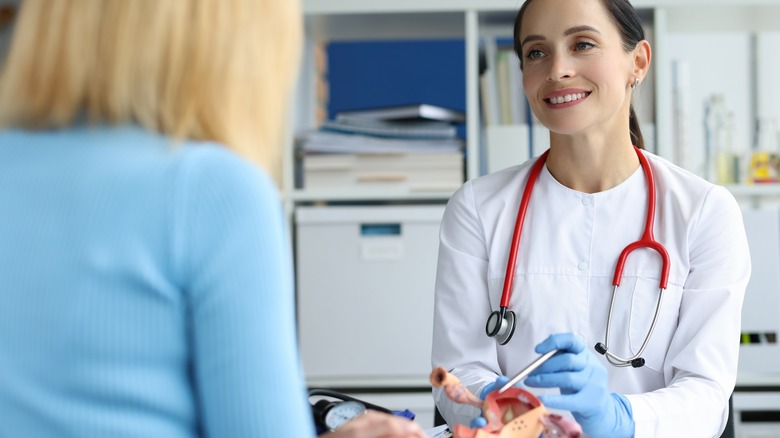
<point x="354" y="152"/>
<point x="439" y="432"/>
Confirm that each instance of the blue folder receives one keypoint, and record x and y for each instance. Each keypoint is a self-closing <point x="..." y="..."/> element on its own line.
<point x="374" y="74"/>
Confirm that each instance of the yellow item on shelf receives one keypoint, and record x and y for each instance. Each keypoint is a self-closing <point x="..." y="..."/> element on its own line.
<point x="763" y="167"/>
<point x="726" y="168"/>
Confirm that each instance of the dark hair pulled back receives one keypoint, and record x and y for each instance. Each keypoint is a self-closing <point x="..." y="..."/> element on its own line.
<point x="629" y="25"/>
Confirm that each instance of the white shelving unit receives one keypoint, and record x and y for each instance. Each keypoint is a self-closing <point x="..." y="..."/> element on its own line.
<point x="672" y="21"/>
<point x="363" y="195"/>
<point x="472" y="19"/>
<point x="756" y="195"/>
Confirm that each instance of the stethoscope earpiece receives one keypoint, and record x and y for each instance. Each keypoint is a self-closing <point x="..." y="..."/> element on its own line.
<point x="637" y="362"/>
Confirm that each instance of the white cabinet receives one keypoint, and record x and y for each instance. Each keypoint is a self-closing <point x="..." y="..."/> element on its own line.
<point x="365" y="293"/>
<point x="757" y="411"/>
<point x="365" y="279"/>
<point x="761" y="308"/>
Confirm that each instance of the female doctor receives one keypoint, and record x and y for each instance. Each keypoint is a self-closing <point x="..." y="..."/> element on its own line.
<point x="582" y="60"/>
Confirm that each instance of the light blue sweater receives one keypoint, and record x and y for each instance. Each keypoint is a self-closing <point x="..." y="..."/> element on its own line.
<point x="145" y="291"/>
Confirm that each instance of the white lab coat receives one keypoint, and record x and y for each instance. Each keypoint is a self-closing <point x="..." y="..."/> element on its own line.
<point x="563" y="283"/>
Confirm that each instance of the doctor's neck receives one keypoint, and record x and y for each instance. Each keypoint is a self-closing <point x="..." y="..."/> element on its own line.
<point x="591" y="166"/>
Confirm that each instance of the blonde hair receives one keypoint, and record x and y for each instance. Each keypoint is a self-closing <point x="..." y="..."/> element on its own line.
<point x="218" y="70"/>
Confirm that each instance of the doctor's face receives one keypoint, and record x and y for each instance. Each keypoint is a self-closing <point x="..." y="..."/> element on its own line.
<point x="576" y="72"/>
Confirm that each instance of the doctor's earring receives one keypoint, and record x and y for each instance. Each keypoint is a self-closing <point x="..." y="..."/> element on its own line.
<point x="636" y="82"/>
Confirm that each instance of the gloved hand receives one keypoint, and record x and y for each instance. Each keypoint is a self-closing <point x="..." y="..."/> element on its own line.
<point x="582" y="380"/>
<point x="480" y="421"/>
<point x="490" y="387"/>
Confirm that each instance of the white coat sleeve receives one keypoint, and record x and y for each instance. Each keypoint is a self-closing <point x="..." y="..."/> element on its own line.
<point x="462" y="305"/>
<point x="701" y="364"/>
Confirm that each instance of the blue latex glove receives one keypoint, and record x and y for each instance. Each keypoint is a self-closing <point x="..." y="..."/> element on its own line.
<point x="582" y="380"/>
<point x="480" y="421"/>
<point x="490" y="387"/>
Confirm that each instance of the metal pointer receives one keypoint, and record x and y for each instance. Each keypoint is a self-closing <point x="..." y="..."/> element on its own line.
<point x="528" y="370"/>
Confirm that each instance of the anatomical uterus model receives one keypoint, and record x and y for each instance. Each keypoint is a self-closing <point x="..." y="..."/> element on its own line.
<point x="514" y="413"/>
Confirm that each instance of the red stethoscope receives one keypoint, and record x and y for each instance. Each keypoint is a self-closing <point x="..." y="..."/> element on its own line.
<point x="501" y="323"/>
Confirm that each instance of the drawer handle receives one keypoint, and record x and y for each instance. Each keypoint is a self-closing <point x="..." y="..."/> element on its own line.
<point x="380" y="229"/>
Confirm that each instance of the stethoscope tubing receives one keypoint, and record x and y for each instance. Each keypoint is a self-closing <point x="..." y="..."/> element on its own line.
<point x="646" y="241"/>
<point x="636" y="360"/>
<point x="506" y="293"/>
<point x="501" y="323"/>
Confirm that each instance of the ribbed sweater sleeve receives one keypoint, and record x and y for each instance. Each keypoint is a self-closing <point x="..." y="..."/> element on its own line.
<point x="237" y="277"/>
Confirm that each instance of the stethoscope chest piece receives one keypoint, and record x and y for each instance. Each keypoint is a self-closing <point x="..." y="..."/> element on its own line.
<point x="501" y="327"/>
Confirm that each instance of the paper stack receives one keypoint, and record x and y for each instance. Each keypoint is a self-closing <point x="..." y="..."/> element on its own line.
<point x="361" y="152"/>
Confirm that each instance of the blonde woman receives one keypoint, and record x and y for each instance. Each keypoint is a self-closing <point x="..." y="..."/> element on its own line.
<point x="145" y="280"/>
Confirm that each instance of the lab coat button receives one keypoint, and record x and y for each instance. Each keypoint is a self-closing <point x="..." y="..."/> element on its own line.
<point x="586" y="201"/>
<point x="583" y="266"/>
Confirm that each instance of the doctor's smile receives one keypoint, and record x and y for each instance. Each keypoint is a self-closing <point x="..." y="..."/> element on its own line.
<point x="566" y="98"/>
